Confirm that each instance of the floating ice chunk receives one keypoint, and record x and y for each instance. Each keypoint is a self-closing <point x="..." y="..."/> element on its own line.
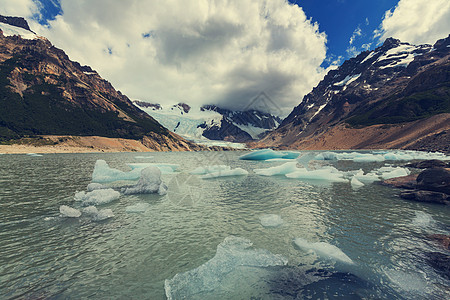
<point x="271" y="220"/>
<point x="369" y="158"/>
<point x="367" y="178"/>
<point x="104" y="173"/>
<point x="95" y="186"/>
<point x="90" y="211"/>
<point x="97" y="197"/>
<point x="210" y="169"/>
<point x="356" y="183"/>
<point x="226" y="173"/>
<point x="137" y="208"/>
<point x="326" y="156"/>
<point x="233" y="257"/>
<point x="281" y="159"/>
<point x="149" y="183"/>
<point x="398" y="156"/>
<point x="34" y="154"/>
<point x="327" y="174"/>
<point x="103" y="214"/>
<point x="143" y="157"/>
<point x="164" y="168"/>
<point x="392" y="172"/>
<point x="324" y="250"/>
<point x="284" y="169"/>
<point x="69" y="212"/>
<point x="266" y="154"/>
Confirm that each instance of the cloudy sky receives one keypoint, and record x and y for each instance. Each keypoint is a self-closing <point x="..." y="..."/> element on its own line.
<point x="225" y="52"/>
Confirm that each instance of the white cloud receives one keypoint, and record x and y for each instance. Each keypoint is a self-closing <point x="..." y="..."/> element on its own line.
<point x="20" y="8"/>
<point x="200" y="51"/>
<point x="417" y="21"/>
<point x="356" y="33"/>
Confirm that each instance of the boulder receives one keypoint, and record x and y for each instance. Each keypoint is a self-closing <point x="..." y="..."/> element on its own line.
<point x="436" y="179"/>
<point x="403" y="182"/>
<point x="426" y="196"/>
<point x="440" y="262"/>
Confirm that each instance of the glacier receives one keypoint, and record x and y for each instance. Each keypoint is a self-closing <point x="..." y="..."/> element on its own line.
<point x="234" y="257"/>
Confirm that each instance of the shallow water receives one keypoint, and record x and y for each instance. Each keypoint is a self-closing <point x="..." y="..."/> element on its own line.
<point x="43" y="255"/>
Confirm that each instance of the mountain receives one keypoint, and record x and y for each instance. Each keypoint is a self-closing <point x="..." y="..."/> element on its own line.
<point x="212" y="122"/>
<point x="43" y="92"/>
<point x="396" y="96"/>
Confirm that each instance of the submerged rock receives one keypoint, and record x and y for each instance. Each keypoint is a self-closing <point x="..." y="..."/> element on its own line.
<point x="404" y="182"/>
<point x="440" y="262"/>
<point x="442" y="239"/>
<point x="425" y="196"/>
<point x="427" y="164"/>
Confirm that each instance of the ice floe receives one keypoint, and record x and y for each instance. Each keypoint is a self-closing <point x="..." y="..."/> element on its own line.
<point x="271" y="220"/>
<point x="283" y="169"/>
<point x="379" y="156"/>
<point x="69" y="212"/>
<point x="164" y="168"/>
<point x="97" y="197"/>
<point x="210" y="169"/>
<point x="234" y="256"/>
<point x="356" y="183"/>
<point x="225" y="173"/>
<point x="149" y="183"/>
<point x="391" y="172"/>
<point x="266" y="154"/>
<point x="137" y="208"/>
<point x="330" y="174"/>
<point x="104" y="173"/>
<point x="34" y="154"/>
<point x="323" y="250"/>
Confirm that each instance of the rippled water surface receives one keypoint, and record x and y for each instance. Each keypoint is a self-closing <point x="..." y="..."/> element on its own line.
<point x="43" y="255"/>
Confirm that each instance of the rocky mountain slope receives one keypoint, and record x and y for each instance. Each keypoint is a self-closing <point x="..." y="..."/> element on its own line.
<point x="212" y="122"/>
<point x="397" y="92"/>
<point x="43" y="92"/>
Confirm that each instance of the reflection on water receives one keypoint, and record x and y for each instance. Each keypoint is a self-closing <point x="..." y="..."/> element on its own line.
<point x="45" y="256"/>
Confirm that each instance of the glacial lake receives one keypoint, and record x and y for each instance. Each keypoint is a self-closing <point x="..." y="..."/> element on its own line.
<point x="205" y="238"/>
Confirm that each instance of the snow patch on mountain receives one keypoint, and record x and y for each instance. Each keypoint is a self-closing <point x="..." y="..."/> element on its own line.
<point x="9" y="30"/>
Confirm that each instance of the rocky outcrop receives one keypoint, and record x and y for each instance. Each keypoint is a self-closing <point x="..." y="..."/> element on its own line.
<point x="427" y="164"/>
<point x="431" y="185"/>
<point x="15" y="21"/>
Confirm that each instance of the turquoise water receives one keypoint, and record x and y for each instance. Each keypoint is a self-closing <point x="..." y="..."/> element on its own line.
<point x="129" y="256"/>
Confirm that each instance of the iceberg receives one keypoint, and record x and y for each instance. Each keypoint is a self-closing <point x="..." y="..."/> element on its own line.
<point x="266" y="154"/>
<point x="271" y="220"/>
<point x="90" y="211"/>
<point x="69" y="212"/>
<point x="97" y="197"/>
<point x="103" y="214"/>
<point x="225" y="173"/>
<point x="327" y="174"/>
<point x="210" y="169"/>
<point x="284" y="169"/>
<point x="356" y="183"/>
<point x="104" y="173"/>
<point x="324" y="250"/>
<point x="366" y="178"/>
<point x="233" y="257"/>
<point x="391" y="172"/>
<point x="95" y="186"/>
<point x="137" y="208"/>
<point x="149" y="183"/>
<point x="164" y="168"/>
<point x="34" y="154"/>
<point x="378" y="156"/>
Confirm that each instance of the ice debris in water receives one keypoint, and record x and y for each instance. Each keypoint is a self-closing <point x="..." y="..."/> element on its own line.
<point x="137" y="208"/>
<point x="95" y="186"/>
<point x="149" y="183"/>
<point x="323" y="250"/>
<point x="391" y="172"/>
<point x="143" y="157"/>
<point x="356" y="183"/>
<point x="284" y="169"/>
<point x="164" y="168"/>
<point x="271" y="220"/>
<point x="210" y="169"/>
<point x="69" y="212"/>
<point x="104" y="173"/>
<point x="233" y="256"/>
<point x="326" y="173"/>
<point x="103" y="214"/>
<point x="266" y="154"/>
<point x="226" y="173"/>
<point x="397" y="155"/>
<point x="97" y="197"/>
<point x="34" y="154"/>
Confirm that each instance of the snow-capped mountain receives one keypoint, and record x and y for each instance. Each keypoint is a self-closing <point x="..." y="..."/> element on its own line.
<point x="212" y="122"/>
<point x="395" y="83"/>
